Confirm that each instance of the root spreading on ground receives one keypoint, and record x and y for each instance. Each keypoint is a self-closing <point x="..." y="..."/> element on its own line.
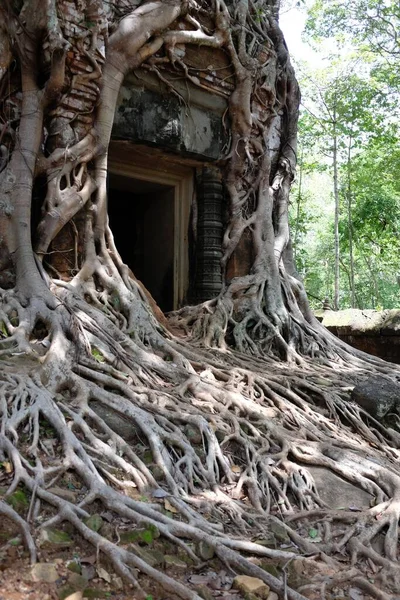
<point x="231" y="440"/>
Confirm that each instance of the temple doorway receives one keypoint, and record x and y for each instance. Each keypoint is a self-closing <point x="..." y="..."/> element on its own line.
<point x="149" y="216"/>
<point x="142" y="221"/>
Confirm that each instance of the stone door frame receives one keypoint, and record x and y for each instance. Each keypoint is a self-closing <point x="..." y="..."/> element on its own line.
<point x="138" y="162"/>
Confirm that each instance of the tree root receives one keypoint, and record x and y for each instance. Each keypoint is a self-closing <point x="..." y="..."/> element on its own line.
<point x="226" y="439"/>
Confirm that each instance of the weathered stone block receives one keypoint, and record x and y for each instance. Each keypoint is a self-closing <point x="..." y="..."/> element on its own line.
<point x="378" y="396"/>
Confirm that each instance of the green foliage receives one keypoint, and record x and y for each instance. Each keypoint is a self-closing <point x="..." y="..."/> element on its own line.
<point x="372" y="25"/>
<point x="354" y="101"/>
<point x="18" y="500"/>
<point x="94" y="522"/>
<point x="97" y="354"/>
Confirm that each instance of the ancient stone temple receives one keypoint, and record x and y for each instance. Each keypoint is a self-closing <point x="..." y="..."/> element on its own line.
<point x="168" y="137"/>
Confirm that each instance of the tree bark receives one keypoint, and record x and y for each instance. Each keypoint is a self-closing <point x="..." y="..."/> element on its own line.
<point x="337" y="209"/>
<point x="350" y="225"/>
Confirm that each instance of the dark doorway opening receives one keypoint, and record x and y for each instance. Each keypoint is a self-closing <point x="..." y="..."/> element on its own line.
<point x="142" y="221"/>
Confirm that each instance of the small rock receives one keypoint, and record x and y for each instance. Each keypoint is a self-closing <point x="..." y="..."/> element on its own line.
<point x="174" y="561"/>
<point x="153" y="557"/>
<point x="88" y="571"/>
<point x="204" y="592"/>
<point x="44" y="572"/>
<point x="356" y="594"/>
<point x="157" y="557"/>
<point x="117" y="583"/>
<point x="251" y="585"/>
<point x="75" y="596"/>
<point x="205" y="551"/>
<point x="268" y="540"/>
<point x="77" y="582"/>
<point x="68" y="495"/>
<point x="199" y="580"/>
<point x="74" y="566"/>
<point x="56" y="537"/>
<point x="118" y="423"/>
<point x="144" y="535"/>
<point x="377" y="395"/>
<point x="273" y="596"/>
<point x="107" y="531"/>
<point x="17" y="541"/>
<point x="193" y="435"/>
<point x="279" y="531"/>
<point x="66" y="591"/>
<point x="129" y="536"/>
<point x="160" y="493"/>
<point x="147" y="457"/>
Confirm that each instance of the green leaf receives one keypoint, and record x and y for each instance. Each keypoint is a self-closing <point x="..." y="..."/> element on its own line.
<point x="97" y="354"/>
<point x="313" y="533"/>
<point x="18" y="500"/>
<point x="94" y="522"/>
<point x="147" y="536"/>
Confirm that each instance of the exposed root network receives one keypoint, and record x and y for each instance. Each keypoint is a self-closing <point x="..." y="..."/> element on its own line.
<point x="231" y="440"/>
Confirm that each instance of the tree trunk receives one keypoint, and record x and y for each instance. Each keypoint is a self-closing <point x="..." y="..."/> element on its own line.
<point x="298" y="206"/>
<point x="337" y="211"/>
<point x="350" y="225"/>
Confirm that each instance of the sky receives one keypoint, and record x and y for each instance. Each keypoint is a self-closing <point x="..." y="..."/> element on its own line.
<point x="292" y="22"/>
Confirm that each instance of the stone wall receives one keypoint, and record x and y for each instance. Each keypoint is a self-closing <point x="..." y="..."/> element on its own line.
<point x="374" y="332"/>
<point x="188" y="122"/>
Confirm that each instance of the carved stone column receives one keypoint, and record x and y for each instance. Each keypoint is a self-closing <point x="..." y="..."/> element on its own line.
<point x="207" y="263"/>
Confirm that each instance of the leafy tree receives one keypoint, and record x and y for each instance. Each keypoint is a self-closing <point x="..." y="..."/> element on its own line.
<point x="372" y="24"/>
<point x="375" y="220"/>
<point x="346" y="109"/>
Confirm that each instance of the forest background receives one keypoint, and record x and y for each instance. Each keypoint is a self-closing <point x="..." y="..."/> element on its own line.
<point x="345" y="211"/>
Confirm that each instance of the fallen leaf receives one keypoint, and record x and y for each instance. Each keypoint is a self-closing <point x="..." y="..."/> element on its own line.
<point x="103" y="574"/>
<point x="7" y="466"/>
<point x="94" y="522"/>
<point x="169" y="506"/>
<point x="236" y="469"/>
<point x="88" y="572"/>
<point x="356" y="594"/>
<point x="89" y="559"/>
<point x="108" y="516"/>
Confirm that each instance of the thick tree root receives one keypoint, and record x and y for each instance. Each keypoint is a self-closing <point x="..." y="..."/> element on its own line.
<point x="230" y="437"/>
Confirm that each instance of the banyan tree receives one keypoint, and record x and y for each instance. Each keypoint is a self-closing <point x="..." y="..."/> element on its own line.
<point x="152" y="322"/>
